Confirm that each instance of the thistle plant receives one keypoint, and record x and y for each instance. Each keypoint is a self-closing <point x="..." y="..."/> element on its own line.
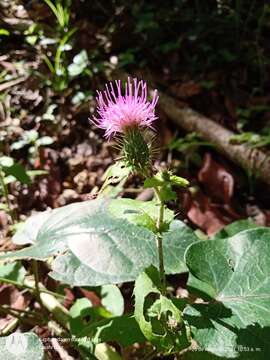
<point x="104" y="242"/>
<point x="129" y="116"/>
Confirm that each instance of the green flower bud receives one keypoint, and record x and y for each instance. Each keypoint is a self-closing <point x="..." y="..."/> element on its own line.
<point x="137" y="150"/>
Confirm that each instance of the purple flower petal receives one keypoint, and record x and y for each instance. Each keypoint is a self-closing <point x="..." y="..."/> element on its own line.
<point x="117" y="112"/>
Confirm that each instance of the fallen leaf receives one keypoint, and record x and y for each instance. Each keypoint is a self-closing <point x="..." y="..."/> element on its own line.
<point x="92" y="296"/>
<point x="186" y="90"/>
<point x="206" y="217"/>
<point x="217" y="180"/>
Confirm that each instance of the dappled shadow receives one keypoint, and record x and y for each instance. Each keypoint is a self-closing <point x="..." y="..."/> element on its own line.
<point x="196" y="288"/>
<point x="253" y="342"/>
<point x="204" y="315"/>
<point x="217" y="321"/>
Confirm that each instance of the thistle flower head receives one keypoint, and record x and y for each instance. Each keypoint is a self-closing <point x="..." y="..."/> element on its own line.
<point x="119" y="111"/>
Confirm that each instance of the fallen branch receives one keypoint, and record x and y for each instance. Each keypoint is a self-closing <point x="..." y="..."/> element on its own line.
<point x="254" y="161"/>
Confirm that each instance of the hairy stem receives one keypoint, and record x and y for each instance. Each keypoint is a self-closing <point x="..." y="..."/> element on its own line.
<point x="159" y="239"/>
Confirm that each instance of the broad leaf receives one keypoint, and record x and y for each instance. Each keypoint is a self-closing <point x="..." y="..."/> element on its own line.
<point x="104" y="267"/>
<point x="144" y="213"/>
<point x="79" y="310"/>
<point x="69" y="269"/>
<point x="175" y="242"/>
<point x="14" y="169"/>
<point x="28" y="232"/>
<point x="234" y="228"/>
<point x="48" y="231"/>
<point x="236" y="274"/>
<point x="112" y="299"/>
<point x="12" y="271"/>
<point x="158" y="317"/>
<point x="122" y="329"/>
<point x="107" y="249"/>
<point x="113" y="249"/>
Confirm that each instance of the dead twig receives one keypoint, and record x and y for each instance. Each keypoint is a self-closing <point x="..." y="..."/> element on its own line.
<point x="6" y="85"/>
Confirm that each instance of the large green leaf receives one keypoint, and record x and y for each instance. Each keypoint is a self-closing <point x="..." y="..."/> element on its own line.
<point x="21" y="346"/>
<point x="69" y="269"/>
<point x="113" y="249"/>
<point x="106" y="248"/>
<point x="144" y="213"/>
<point x="27" y="234"/>
<point x="48" y="231"/>
<point x="175" y="241"/>
<point x="235" y="274"/>
<point x="234" y="228"/>
<point x="122" y="329"/>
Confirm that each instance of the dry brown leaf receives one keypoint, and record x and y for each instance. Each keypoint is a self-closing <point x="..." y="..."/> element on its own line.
<point x="217" y="180"/>
<point x="186" y="90"/>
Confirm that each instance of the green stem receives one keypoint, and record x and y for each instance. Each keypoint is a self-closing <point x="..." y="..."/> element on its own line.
<point x="25" y="286"/>
<point x="10" y="327"/>
<point x="36" y="277"/>
<point x="58" y="311"/>
<point x="26" y="311"/>
<point x="159" y="239"/>
<point x="5" y="193"/>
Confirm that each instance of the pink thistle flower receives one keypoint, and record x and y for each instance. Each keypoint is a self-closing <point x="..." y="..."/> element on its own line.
<point x="120" y="112"/>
